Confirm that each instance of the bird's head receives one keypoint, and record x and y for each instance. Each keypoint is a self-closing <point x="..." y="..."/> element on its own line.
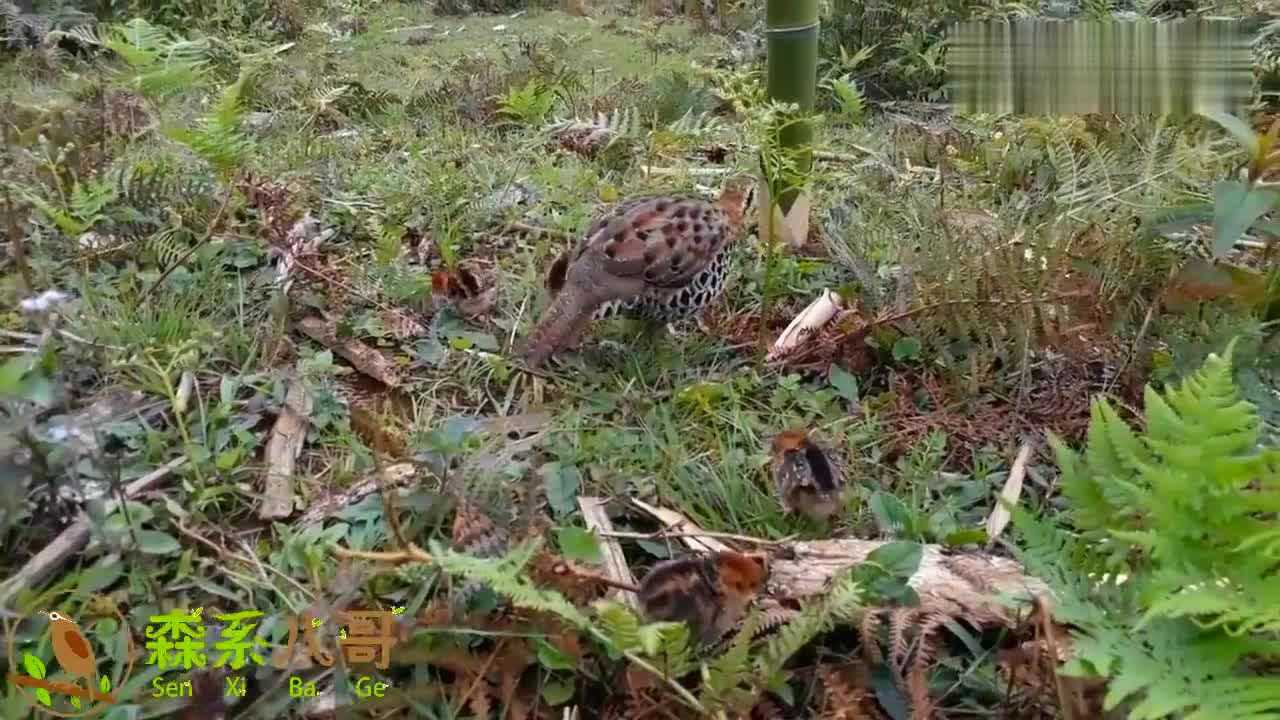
<point x="738" y="198"/>
<point x="790" y="441"/>
<point x="741" y="575"/>
<point x="55" y="616"/>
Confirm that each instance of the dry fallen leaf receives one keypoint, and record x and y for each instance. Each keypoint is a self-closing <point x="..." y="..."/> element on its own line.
<point x="1000" y="515"/>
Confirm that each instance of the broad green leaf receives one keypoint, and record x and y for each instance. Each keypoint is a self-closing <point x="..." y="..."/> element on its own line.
<point x="75" y="702"/>
<point x="579" y="544"/>
<point x="562" y="483"/>
<point x="906" y="348"/>
<point x="1235" y="208"/>
<point x="12" y="372"/>
<point x="891" y="515"/>
<point x="104" y="684"/>
<point x="550" y="657"/>
<point x="227" y="459"/>
<point x="899" y="559"/>
<point x="845" y="383"/>
<point x="100" y="575"/>
<point x="967" y="536"/>
<point x="43" y="696"/>
<point x="33" y="665"/>
<point x="38" y="389"/>
<point x="557" y="693"/>
<point x="154" y="542"/>
<point x="227" y="389"/>
<point x="1179" y="218"/>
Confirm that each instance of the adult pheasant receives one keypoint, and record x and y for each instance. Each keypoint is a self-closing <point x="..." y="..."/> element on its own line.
<point x="657" y="257"/>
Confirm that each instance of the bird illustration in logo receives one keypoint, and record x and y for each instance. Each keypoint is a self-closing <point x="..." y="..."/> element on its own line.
<point x="70" y="647"/>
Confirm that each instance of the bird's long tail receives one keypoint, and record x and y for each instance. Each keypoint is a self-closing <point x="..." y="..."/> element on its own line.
<point x="567" y="316"/>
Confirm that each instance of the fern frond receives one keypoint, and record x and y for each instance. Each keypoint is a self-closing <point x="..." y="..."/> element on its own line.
<point x="619" y="624"/>
<point x="159" y="64"/>
<point x="504" y="576"/>
<point x="840" y="605"/>
<point x="1193" y="499"/>
<point x="723" y="677"/>
<point x="218" y="137"/>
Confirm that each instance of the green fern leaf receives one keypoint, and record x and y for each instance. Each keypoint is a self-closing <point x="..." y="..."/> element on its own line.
<point x="620" y="625"/>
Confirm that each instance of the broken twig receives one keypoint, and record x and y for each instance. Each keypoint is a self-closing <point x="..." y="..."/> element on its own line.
<point x="74" y="538"/>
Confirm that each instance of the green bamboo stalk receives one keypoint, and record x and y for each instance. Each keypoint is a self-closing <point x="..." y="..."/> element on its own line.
<point x="791" y="27"/>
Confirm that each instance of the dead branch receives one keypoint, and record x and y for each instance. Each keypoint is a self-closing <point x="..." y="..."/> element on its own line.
<point x="74" y="538"/>
<point x="364" y="358"/>
<point x="818" y="313"/>
<point x="969" y="585"/>
<point x="615" y="563"/>
<point x="322" y="510"/>
<point x="693" y="535"/>
<point x="287" y="438"/>
<point x="965" y="585"/>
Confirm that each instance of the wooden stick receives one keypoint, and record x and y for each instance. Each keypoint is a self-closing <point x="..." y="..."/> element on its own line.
<point x="283" y="447"/>
<point x="963" y="584"/>
<point x="695" y="537"/>
<point x="74" y="538"/>
<point x="615" y="563"/>
<point x="664" y="535"/>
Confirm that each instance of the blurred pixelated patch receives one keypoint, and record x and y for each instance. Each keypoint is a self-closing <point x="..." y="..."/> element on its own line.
<point x="1037" y="66"/>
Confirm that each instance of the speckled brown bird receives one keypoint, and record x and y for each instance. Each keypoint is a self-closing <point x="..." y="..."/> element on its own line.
<point x="657" y="257"/>
<point x="806" y="475"/>
<point x="474" y="533"/>
<point x="710" y="592"/>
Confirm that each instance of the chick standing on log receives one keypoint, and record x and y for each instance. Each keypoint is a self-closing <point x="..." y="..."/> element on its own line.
<point x="710" y="593"/>
<point x="658" y="257"/>
<point x="807" y="479"/>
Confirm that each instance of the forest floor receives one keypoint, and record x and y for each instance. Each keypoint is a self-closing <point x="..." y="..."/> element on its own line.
<point x="996" y="273"/>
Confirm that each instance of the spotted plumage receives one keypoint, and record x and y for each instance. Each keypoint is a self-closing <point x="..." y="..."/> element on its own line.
<point x="807" y="477"/>
<point x="474" y="533"/>
<point x="710" y="593"/>
<point x="657" y="257"/>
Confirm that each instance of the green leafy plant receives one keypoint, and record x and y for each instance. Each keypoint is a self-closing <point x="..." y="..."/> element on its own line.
<point x="1239" y="205"/>
<point x="529" y="104"/>
<point x="218" y="137"/>
<point x="1170" y="576"/>
<point x="848" y="98"/>
<point x="157" y="64"/>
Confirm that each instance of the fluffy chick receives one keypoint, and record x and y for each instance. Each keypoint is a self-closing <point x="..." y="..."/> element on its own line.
<point x="807" y="479"/>
<point x="710" y="592"/>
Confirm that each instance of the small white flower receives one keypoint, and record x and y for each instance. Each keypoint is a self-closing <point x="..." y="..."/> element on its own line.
<point x="44" y="302"/>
